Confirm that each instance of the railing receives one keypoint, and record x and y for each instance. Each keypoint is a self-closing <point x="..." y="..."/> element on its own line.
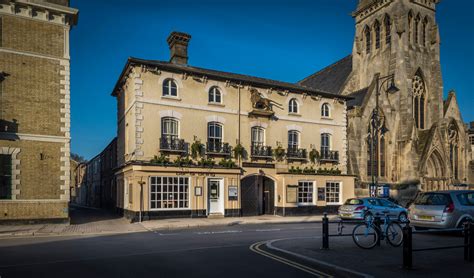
<point x="260" y="151"/>
<point x="173" y="144"/>
<point x="218" y="148"/>
<point x="468" y="243"/>
<point x="329" y="156"/>
<point x="296" y="153"/>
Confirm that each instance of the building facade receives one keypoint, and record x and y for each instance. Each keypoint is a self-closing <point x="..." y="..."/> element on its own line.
<point x="35" y="109"/>
<point x="195" y="142"/>
<point x="412" y="136"/>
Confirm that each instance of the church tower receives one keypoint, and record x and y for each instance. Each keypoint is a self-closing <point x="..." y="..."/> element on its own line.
<point x="399" y="38"/>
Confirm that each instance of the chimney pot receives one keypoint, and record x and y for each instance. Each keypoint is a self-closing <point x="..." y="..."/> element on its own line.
<point x="178" y="44"/>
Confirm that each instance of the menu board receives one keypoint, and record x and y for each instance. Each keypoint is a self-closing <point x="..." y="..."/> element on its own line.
<point x="291" y="193"/>
<point x="233" y="193"/>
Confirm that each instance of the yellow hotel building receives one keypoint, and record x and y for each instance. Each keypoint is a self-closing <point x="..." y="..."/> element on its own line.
<point x="194" y="142"/>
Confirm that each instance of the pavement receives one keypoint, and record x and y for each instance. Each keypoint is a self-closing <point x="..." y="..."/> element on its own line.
<point x="83" y="221"/>
<point x="183" y="223"/>
<point x="383" y="260"/>
<point x="86" y="220"/>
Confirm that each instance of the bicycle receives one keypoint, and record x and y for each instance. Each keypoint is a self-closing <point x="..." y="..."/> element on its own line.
<point x="366" y="235"/>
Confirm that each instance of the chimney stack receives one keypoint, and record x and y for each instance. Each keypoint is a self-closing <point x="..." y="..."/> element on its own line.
<point x="178" y="43"/>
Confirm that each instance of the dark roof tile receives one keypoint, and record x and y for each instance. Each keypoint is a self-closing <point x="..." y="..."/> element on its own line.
<point x="330" y="79"/>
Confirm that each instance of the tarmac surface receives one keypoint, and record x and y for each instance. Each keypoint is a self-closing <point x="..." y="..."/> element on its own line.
<point x="237" y="250"/>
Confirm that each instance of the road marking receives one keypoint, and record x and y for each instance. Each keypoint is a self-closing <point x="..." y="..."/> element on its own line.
<point x="256" y="248"/>
<point x="270" y="245"/>
<point x="267" y="230"/>
<point x="218" y="232"/>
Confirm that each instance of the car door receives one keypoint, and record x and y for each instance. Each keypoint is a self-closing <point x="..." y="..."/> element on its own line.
<point x="375" y="207"/>
<point x="390" y="207"/>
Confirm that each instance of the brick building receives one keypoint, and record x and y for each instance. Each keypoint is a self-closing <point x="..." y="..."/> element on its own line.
<point x="35" y="109"/>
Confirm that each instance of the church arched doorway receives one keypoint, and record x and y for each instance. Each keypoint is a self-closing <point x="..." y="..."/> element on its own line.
<point x="257" y="195"/>
<point x="435" y="173"/>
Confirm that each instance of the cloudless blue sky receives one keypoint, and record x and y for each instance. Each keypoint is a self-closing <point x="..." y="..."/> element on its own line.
<point x="283" y="40"/>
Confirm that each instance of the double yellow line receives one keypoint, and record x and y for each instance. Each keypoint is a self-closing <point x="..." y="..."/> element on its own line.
<point x="256" y="248"/>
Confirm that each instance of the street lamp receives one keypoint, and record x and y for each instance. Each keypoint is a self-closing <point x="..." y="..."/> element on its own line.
<point x="376" y="127"/>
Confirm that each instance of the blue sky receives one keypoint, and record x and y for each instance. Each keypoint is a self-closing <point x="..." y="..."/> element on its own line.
<point x="283" y="40"/>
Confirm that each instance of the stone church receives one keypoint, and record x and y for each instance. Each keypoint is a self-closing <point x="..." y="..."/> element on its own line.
<point x="414" y="137"/>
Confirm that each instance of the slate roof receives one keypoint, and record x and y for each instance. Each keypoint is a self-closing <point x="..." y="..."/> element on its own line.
<point x="330" y="79"/>
<point x="357" y="97"/>
<point x="224" y="76"/>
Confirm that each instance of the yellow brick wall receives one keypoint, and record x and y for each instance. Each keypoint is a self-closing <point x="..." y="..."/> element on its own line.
<point x="31" y="93"/>
<point x="33" y="210"/>
<point x="32" y="36"/>
<point x="39" y="179"/>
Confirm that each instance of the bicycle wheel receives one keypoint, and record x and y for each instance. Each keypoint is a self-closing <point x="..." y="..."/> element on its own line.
<point x="365" y="236"/>
<point x="394" y="234"/>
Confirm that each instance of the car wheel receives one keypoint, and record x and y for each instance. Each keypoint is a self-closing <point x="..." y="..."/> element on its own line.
<point x="368" y="216"/>
<point x="465" y="220"/>
<point x="403" y="217"/>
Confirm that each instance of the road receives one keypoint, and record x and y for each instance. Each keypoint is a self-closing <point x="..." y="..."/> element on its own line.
<point x="228" y="251"/>
<point x="211" y="252"/>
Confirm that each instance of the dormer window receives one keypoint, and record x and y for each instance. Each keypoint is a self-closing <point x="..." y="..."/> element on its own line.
<point x="215" y="95"/>
<point x="293" y="106"/>
<point x="169" y="88"/>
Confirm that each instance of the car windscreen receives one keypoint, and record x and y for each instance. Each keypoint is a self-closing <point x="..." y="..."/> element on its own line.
<point x="466" y="199"/>
<point x="354" y="202"/>
<point x="433" y="199"/>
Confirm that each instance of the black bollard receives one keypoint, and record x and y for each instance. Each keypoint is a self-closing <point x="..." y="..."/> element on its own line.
<point x="407" y="247"/>
<point x="466" y="232"/>
<point x="325" y="232"/>
<point x="471" y="241"/>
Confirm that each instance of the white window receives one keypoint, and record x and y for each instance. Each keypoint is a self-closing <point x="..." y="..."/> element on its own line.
<point x="169" y="128"/>
<point x="170" y="88"/>
<point x="169" y="192"/>
<point x="325" y="143"/>
<point x="258" y="136"/>
<point x="215" y="95"/>
<point x="293" y="106"/>
<point x="214" y="136"/>
<point x="293" y="139"/>
<point x="333" y="193"/>
<point x="325" y="110"/>
<point x="305" y="192"/>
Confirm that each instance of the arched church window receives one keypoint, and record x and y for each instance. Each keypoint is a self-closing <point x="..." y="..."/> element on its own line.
<point x="453" y="150"/>
<point x="410" y="26"/>
<point x="417" y="24"/>
<point x="388" y="28"/>
<point x="419" y="100"/>
<point x="425" y="25"/>
<point x="377" y="34"/>
<point x="368" y="40"/>
<point x="376" y="149"/>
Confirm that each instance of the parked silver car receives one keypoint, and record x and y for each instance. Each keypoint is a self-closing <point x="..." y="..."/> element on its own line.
<point x="442" y="209"/>
<point x="363" y="208"/>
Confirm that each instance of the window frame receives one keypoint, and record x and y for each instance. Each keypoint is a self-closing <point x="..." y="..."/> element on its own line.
<point x="170" y="135"/>
<point x="260" y="130"/>
<point x="310" y="187"/>
<point x="187" y="192"/>
<point x="328" y="147"/>
<point x="215" y="138"/>
<point x="339" y="193"/>
<point x="292" y="105"/>
<point x="298" y="138"/>
<point x="7" y="174"/>
<point x="368" y="40"/>
<point x="328" y="110"/>
<point x="167" y="88"/>
<point x="214" y="93"/>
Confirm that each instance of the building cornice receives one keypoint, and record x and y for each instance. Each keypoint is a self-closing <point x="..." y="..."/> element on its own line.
<point x="40" y="10"/>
